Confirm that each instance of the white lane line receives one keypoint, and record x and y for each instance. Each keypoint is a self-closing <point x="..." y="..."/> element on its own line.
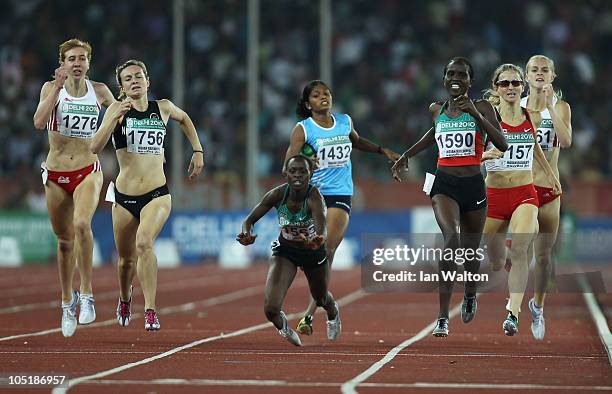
<point x="275" y="383"/>
<point x="179" y="284"/>
<point x="354" y="296"/>
<point x="228" y="297"/>
<point x="598" y="317"/>
<point x="331" y="354"/>
<point x="349" y="387"/>
<point x="488" y="386"/>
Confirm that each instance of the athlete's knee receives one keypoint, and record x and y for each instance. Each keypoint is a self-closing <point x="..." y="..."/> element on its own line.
<point x="144" y="244"/>
<point x="81" y="227"/>
<point x="65" y="244"/>
<point x="520" y="246"/>
<point x="126" y="263"/>
<point x="543" y="256"/>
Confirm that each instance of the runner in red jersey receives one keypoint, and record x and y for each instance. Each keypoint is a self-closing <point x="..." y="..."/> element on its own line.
<point x="513" y="202"/>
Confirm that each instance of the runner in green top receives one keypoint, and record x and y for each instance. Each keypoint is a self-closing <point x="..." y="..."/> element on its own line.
<point x="301" y="215"/>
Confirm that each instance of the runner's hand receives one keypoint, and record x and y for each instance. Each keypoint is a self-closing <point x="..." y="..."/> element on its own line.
<point x="60" y="75"/>
<point x="491" y="154"/>
<point x="314" y="243"/>
<point x="549" y="92"/>
<point x="196" y="166"/>
<point x="466" y="105"/>
<point x="556" y="186"/>
<point x="400" y="167"/>
<point x="246" y="238"/>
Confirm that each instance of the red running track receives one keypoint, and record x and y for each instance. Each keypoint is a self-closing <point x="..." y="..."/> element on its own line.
<point x="214" y="339"/>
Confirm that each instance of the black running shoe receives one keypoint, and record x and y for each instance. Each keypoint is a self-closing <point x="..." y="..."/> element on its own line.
<point x="441" y="329"/>
<point x="468" y="308"/>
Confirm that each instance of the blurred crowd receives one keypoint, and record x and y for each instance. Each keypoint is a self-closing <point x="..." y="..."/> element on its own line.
<point x="388" y="58"/>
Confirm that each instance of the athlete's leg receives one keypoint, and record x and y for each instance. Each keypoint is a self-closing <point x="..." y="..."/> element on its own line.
<point x="125" y="226"/>
<point x="495" y="231"/>
<point x="61" y="207"/>
<point x="86" y="197"/>
<point x="318" y="279"/>
<point x="337" y="220"/>
<point x="548" y="219"/>
<point x="523" y="225"/>
<point x="448" y="217"/>
<point x="152" y="218"/>
<point x="472" y="225"/>
<point x="281" y="273"/>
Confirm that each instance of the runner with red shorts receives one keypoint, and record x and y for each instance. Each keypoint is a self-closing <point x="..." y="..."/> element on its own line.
<point x="554" y="131"/>
<point x="513" y="201"/>
<point x="69" y="107"/>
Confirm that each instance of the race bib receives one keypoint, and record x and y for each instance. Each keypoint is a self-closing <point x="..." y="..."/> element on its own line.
<point x="518" y="157"/>
<point x="546" y="135"/>
<point x="145" y="136"/>
<point x="293" y="233"/>
<point x="334" y="152"/>
<point x="456" y="139"/>
<point x="78" y="120"/>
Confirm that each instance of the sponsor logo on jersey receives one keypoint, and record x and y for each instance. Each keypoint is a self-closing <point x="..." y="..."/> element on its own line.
<point x="63" y="179"/>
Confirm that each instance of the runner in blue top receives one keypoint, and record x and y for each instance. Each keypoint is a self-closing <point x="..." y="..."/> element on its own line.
<point x="301" y="216"/>
<point x="331" y="137"/>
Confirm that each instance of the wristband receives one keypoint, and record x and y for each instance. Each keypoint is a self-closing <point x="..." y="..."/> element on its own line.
<point x="380" y="150"/>
<point x="200" y="151"/>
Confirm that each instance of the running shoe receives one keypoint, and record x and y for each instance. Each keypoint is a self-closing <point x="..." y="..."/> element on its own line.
<point x="441" y="329"/>
<point x="468" y="308"/>
<point x="287" y="333"/>
<point x="334" y="326"/>
<point x="305" y="325"/>
<point x="538" y="326"/>
<point x="151" y="320"/>
<point x="510" y="325"/>
<point x="87" y="310"/>
<point x="69" y="319"/>
<point x="124" y="310"/>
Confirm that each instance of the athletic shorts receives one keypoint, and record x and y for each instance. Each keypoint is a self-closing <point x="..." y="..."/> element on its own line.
<point x="504" y="201"/>
<point x="305" y="258"/>
<point x="134" y="204"/>
<point x="469" y="192"/>
<point x="68" y="180"/>
<point x="545" y="195"/>
<point x="342" y="202"/>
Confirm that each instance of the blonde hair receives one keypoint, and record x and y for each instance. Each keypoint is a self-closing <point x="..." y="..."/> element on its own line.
<point x="121" y="67"/>
<point x="71" y="44"/>
<point x="491" y="94"/>
<point x="551" y="65"/>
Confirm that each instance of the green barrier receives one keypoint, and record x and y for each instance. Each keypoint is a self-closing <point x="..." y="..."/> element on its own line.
<point x="33" y="233"/>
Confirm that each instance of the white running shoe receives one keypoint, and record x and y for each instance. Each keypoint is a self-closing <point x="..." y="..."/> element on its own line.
<point x="87" y="310"/>
<point x="287" y="333"/>
<point x="69" y="319"/>
<point x="538" y="326"/>
<point x="334" y="327"/>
